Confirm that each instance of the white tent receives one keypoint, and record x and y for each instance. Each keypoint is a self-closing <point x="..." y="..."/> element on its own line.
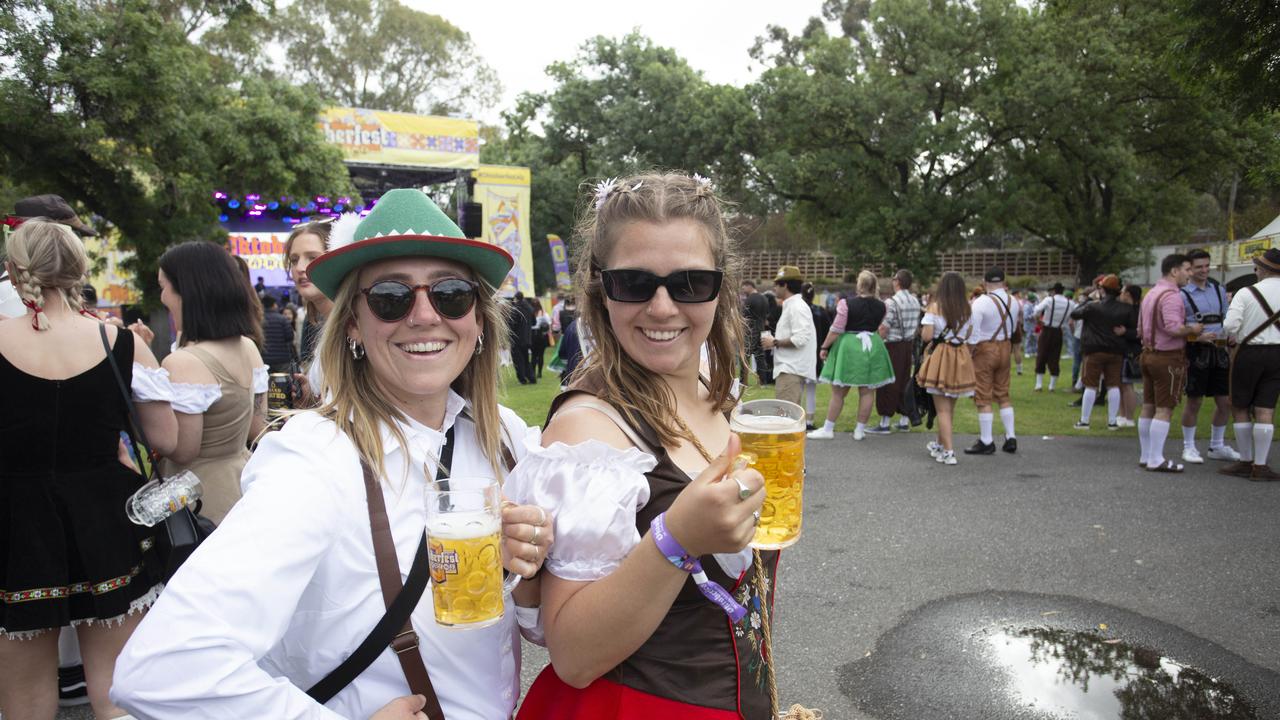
<point x="1272" y="228"/>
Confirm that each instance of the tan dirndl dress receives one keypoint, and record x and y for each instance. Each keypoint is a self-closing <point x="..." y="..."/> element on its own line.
<point x="948" y="368"/>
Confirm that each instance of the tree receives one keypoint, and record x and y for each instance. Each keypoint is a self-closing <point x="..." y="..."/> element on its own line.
<point x="108" y="103"/>
<point x="382" y="55"/>
<point x="1237" y="42"/>
<point x="1109" y="140"/>
<point x="880" y="138"/>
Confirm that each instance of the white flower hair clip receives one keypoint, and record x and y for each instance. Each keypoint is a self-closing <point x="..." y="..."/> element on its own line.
<point x="703" y="183"/>
<point x="603" y="188"/>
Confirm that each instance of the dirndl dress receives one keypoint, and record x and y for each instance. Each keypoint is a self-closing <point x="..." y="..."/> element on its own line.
<point x="858" y="359"/>
<point x="947" y="370"/>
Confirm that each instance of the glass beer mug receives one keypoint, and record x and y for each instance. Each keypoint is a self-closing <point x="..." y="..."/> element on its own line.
<point x="772" y="433"/>
<point x="464" y="549"/>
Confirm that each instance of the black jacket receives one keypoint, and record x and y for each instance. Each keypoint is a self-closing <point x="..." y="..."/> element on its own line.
<point x="1101" y="317"/>
<point x="277" y="338"/>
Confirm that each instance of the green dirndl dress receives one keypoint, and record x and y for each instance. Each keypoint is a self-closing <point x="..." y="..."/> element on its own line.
<point x="858" y="359"/>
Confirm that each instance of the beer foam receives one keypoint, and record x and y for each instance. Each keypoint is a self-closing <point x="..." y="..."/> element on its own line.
<point x="764" y="424"/>
<point x="463" y="525"/>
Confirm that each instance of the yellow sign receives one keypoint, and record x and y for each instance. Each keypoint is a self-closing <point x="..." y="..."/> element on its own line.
<point x="1247" y="250"/>
<point x="376" y="137"/>
<point x="504" y="193"/>
<point x="107" y="274"/>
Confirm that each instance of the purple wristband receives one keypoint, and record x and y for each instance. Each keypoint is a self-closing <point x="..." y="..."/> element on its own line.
<point x="674" y="552"/>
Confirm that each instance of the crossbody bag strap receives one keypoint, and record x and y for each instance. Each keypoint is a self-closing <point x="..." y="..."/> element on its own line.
<point x="1273" y="318"/>
<point x="134" y="423"/>
<point x="395" y="629"/>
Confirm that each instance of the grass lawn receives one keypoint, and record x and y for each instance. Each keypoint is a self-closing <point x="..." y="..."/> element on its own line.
<point x="1042" y="413"/>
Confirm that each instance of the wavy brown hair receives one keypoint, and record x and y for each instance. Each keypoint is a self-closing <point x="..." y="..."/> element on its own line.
<point x="358" y="405"/>
<point x="635" y="390"/>
<point x="320" y="230"/>
<point x="952" y="302"/>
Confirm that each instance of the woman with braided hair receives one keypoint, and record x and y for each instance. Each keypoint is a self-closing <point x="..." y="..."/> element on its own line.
<point x="653" y="604"/>
<point x="68" y="554"/>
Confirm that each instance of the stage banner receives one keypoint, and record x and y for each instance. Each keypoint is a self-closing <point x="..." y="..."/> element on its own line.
<point x="107" y="274"/>
<point x="376" y="137"/>
<point x="560" y="258"/>
<point x="264" y="254"/>
<point x="504" y="193"/>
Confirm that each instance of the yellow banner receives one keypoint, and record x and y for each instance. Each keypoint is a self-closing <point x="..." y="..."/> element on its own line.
<point x="504" y="193"/>
<point x="376" y="137"/>
<point x="107" y="274"/>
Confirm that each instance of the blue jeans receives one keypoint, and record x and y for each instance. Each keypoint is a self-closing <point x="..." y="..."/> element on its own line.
<point x="1073" y="347"/>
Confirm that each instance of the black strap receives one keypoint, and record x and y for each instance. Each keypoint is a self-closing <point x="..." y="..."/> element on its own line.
<point x="1192" y="303"/>
<point x="136" y="424"/>
<point x="382" y="634"/>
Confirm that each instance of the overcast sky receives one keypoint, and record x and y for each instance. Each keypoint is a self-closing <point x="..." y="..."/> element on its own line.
<point x="519" y="38"/>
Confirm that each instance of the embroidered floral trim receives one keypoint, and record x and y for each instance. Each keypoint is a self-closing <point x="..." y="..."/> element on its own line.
<point x="64" y="591"/>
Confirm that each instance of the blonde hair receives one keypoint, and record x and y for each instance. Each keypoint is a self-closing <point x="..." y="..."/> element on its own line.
<point x="868" y="283"/>
<point x="358" y="406"/>
<point x="320" y="230"/>
<point x="47" y="255"/>
<point x="656" y="198"/>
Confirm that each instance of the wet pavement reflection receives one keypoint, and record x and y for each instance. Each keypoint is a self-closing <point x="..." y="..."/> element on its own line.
<point x="1088" y="676"/>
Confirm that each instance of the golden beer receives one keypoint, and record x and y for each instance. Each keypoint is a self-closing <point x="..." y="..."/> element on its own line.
<point x="773" y="433"/>
<point x="465" y="554"/>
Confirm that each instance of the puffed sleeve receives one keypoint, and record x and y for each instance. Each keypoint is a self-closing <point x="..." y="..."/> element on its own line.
<point x="195" y="655"/>
<point x="595" y="491"/>
<point x="151" y="384"/>
<point x="260" y="380"/>
<point x="195" y="398"/>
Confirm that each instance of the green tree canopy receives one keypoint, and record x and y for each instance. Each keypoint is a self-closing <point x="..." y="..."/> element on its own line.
<point x="108" y="103"/>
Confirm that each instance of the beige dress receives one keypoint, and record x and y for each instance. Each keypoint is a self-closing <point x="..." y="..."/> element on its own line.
<point x="224" y="443"/>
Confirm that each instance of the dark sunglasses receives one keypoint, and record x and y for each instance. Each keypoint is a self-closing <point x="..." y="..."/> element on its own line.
<point x="391" y="300"/>
<point x="684" y="286"/>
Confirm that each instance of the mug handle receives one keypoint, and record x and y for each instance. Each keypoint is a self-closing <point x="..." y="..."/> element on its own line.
<point x="513" y="579"/>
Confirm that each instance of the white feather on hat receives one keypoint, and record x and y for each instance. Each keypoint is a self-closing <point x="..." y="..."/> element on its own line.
<point x="343" y="231"/>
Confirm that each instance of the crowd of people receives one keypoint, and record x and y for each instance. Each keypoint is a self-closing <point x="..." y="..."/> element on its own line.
<point x="627" y="519"/>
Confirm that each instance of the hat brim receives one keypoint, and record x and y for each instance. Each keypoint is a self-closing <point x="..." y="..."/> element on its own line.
<point x="490" y="262"/>
<point x="1262" y="261"/>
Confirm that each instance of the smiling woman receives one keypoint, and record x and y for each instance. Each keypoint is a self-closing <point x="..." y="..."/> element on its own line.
<point x="410" y="389"/>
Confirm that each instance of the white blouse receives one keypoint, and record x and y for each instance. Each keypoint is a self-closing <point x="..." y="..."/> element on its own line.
<point x="597" y="490"/>
<point x="287" y="588"/>
<point x="197" y="398"/>
<point x="151" y="384"/>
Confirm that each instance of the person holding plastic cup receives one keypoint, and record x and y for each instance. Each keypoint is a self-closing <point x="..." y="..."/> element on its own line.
<point x="410" y="352"/>
<point x="654" y="604"/>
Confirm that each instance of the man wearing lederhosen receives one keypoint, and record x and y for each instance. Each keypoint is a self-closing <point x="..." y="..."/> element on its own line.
<point x="994" y="315"/>
<point x="1163" y="329"/>
<point x="1208" y="364"/>
<point x="1254" y="324"/>
<point x="901" y="321"/>
<point x="1054" y="313"/>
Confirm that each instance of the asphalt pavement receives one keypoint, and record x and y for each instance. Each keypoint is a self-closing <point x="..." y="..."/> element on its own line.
<point x="905" y="565"/>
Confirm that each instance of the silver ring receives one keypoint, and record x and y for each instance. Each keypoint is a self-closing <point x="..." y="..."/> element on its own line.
<point x="744" y="492"/>
<point x="756" y="515"/>
<point x="534" y="540"/>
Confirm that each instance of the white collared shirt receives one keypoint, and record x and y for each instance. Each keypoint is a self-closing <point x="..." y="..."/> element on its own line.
<point x="986" y="317"/>
<point x="1245" y="313"/>
<point x="1056" y="310"/>
<point x="287" y="588"/>
<point x="796" y="324"/>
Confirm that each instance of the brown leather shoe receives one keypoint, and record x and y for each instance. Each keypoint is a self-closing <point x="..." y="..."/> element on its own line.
<point x="1242" y="469"/>
<point x="1263" y="473"/>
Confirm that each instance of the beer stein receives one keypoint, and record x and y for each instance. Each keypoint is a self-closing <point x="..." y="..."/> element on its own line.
<point x="464" y="549"/>
<point x="162" y="497"/>
<point x="773" y="434"/>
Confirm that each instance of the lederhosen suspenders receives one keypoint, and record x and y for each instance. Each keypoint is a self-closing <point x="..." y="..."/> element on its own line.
<point x="1005" y="313"/>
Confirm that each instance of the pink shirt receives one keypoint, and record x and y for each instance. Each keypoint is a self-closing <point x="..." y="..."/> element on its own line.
<point x="1163" y="336"/>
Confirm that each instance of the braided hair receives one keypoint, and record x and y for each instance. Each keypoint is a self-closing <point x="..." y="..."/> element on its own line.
<point x="43" y="255"/>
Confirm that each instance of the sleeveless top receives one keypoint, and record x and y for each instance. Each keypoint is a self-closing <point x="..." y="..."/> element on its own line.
<point x="223" y="442"/>
<point x="696" y="655"/>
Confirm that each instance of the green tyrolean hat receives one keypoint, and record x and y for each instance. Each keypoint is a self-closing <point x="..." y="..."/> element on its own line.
<point x="405" y="223"/>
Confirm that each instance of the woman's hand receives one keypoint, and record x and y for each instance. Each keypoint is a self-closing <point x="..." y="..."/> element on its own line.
<point x="709" y="515"/>
<point x="303" y="396"/>
<point x="408" y="707"/>
<point x="143" y="332"/>
<point x="527" y="534"/>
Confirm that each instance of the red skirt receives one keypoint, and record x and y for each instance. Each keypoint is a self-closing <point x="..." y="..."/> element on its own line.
<point x="551" y="698"/>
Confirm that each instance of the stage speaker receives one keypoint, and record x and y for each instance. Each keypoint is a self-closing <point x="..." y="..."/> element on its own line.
<point x="472" y="220"/>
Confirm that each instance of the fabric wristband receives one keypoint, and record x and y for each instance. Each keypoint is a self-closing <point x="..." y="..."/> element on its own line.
<point x="712" y="590"/>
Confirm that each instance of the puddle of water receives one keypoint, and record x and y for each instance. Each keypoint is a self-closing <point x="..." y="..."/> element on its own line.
<point x="1084" y="676"/>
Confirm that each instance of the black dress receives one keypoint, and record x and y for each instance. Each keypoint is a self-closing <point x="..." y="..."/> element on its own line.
<point x="68" y="554"/>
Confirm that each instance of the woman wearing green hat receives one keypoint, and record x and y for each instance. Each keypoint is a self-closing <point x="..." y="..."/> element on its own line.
<point x="289" y="586"/>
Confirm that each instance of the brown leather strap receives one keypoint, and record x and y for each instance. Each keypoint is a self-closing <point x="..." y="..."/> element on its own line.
<point x="1273" y="319"/>
<point x="405" y="644"/>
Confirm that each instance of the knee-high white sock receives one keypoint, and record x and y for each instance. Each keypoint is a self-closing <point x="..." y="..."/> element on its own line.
<point x="884" y="421"/>
<point x="811" y="398"/>
<point x="1006" y="419"/>
<point x="1188" y="436"/>
<point x="1039" y="382"/>
<point x="1262" y="435"/>
<point x="1244" y="440"/>
<point x="1159" y="434"/>
<point x="1144" y="438"/>
<point x="1086" y="404"/>
<point x="1113" y="405"/>
<point x="985" y="421"/>
<point x="1053" y="381"/>
<point x="1218" y="436"/>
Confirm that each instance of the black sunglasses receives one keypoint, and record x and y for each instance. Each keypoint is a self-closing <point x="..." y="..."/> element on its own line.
<point x="391" y="300"/>
<point x="684" y="286"/>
